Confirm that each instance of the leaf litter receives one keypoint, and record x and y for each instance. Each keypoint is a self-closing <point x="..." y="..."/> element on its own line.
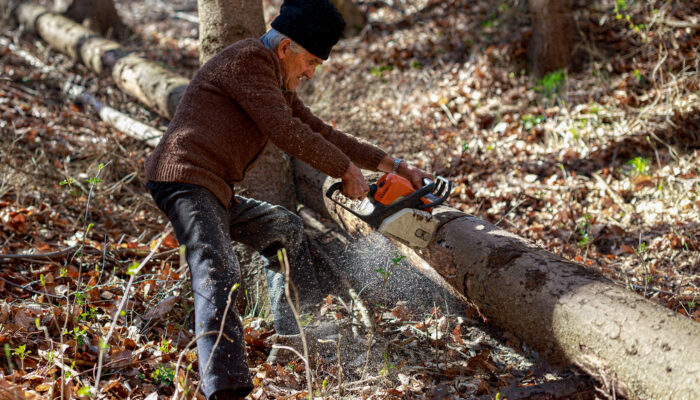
<point x="599" y="165"/>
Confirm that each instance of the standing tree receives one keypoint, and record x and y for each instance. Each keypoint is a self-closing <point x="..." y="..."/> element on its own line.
<point x="551" y="44"/>
<point x="97" y="15"/>
<point x="355" y="20"/>
<point x="222" y="23"/>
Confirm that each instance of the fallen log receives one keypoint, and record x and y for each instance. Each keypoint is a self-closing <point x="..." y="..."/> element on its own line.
<point x="569" y="314"/>
<point x="154" y="86"/>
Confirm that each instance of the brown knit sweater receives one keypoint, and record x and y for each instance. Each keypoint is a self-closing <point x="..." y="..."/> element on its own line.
<point x="232" y="107"/>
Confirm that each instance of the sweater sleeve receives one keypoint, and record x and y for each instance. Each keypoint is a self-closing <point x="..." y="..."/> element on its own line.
<point x="365" y="155"/>
<point x="251" y="81"/>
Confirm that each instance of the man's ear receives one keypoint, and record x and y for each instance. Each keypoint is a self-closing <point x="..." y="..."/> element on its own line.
<point x="283" y="48"/>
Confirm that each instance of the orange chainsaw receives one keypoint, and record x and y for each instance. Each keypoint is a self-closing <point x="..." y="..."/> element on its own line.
<point x="396" y="209"/>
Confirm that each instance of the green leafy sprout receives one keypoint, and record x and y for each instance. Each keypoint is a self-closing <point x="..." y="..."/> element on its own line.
<point x="585" y="231"/>
<point x="163" y="375"/>
<point x="551" y="83"/>
<point x="529" y="121"/>
<point x="21" y="352"/>
<point x="640" y="165"/>
<point x="164" y="346"/>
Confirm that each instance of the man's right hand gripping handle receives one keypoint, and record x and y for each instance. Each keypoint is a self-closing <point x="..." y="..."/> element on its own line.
<point x="354" y="185"/>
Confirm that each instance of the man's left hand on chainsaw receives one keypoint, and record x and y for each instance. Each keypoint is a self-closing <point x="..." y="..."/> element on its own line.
<point x="413" y="174"/>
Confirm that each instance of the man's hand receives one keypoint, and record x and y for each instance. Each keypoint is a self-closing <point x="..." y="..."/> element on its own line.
<point x="354" y="185"/>
<point x="413" y="174"/>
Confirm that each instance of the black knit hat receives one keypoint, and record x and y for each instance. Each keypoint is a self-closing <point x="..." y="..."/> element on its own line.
<point x="315" y="24"/>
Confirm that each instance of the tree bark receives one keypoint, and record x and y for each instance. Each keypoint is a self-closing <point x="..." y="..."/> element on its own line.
<point x="355" y="20"/>
<point x="566" y="312"/>
<point x="222" y="23"/>
<point x="553" y="35"/>
<point x="98" y="15"/>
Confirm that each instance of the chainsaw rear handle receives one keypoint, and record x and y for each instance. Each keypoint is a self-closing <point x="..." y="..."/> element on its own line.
<point x="338" y="186"/>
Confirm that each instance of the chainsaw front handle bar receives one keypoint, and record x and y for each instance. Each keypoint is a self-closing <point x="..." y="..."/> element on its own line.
<point x="442" y="191"/>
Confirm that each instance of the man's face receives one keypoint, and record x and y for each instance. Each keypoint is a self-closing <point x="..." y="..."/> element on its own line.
<point x="296" y="67"/>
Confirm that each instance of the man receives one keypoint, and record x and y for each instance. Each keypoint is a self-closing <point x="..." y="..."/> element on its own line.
<point x="237" y="103"/>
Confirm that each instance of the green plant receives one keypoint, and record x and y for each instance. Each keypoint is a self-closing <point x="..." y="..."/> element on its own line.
<point x="68" y="372"/>
<point x="90" y="314"/>
<point x="378" y="71"/>
<point x="50" y="356"/>
<point x="79" y="298"/>
<point x="163" y="375"/>
<point x="620" y="5"/>
<point x="384" y="273"/>
<point x="164" y="346"/>
<point x="640" y="165"/>
<point x="79" y="335"/>
<point x="641" y="249"/>
<point x="306" y="319"/>
<point x="21" y="352"/>
<point x="387" y="365"/>
<point x="528" y="121"/>
<point x="8" y="356"/>
<point x="84" y="391"/>
<point x="551" y="83"/>
<point x="585" y="231"/>
<point x="68" y="181"/>
<point x="133" y="268"/>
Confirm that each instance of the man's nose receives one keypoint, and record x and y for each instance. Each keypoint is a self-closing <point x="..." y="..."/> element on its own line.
<point x="310" y="72"/>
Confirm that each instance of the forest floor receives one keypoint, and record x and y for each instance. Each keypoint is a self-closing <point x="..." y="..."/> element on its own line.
<point x="598" y="164"/>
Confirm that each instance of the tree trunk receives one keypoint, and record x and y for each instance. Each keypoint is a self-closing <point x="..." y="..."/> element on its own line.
<point x="553" y="34"/>
<point x="355" y="20"/>
<point x="97" y="15"/>
<point x="566" y="312"/>
<point x="222" y="23"/>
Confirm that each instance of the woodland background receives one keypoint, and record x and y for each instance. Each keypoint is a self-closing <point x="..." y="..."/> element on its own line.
<point x="595" y="160"/>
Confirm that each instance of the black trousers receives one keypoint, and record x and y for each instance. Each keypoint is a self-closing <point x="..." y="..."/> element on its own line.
<point x="206" y="228"/>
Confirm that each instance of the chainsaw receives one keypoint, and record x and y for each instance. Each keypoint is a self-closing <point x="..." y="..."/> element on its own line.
<point x="396" y="209"/>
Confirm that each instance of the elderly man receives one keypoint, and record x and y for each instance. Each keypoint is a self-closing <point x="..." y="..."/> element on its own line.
<point x="237" y="103"/>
